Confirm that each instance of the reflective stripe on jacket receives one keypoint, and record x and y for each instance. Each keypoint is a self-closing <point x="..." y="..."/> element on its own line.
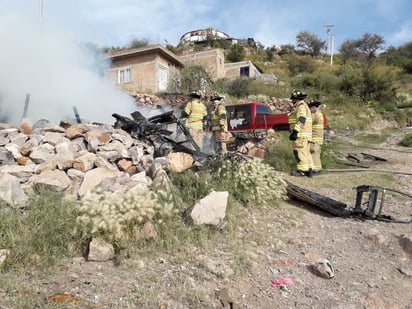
<point x="317" y="127"/>
<point x="303" y="129"/>
<point x="196" y="111"/>
<point x="219" y="118"/>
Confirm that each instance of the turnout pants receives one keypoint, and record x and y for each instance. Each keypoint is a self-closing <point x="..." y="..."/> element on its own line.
<point x="197" y="135"/>
<point x="301" y="150"/>
<point x="219" y="146"/>
<point x="315" y="149"/>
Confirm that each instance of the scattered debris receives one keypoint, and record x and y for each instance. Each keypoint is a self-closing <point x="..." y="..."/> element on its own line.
<point x="372" y="157"/>
<point x="280" y="283"/>
<point x="323" y="268"/>
<point x="64" y="299"/>
<point x="340" y="209"/>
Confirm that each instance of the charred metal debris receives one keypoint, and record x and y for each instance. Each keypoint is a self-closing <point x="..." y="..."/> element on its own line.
<point x="368" y="207"/>
<point x="165" y="131"/>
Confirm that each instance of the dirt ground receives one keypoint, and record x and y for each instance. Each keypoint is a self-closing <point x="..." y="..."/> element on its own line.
<point x="372" y="269"/>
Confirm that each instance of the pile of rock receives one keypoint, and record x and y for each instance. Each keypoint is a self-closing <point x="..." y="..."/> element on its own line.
<point x="74" y="159"/>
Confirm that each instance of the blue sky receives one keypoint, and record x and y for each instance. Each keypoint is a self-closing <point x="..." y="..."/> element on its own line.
<point x="117" y="22"/>
<point x="40" y="54"/>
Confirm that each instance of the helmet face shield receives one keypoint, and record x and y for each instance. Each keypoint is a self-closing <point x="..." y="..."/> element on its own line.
<point x="195" y="94"/>
<point x="215" y="98"/>
<point x="314" y="103"/>
<point x="298" y="95"/>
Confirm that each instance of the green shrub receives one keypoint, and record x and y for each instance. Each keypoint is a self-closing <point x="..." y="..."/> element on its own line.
<point x="239" y="87"/>
<point x="300" y="64"/>
<point x="407" y="140"/>
<point x="403" y="100"/>
<point x="41" y="234"/>
<point x="279" y="154"/>
<point x="118" y="215"/>
<point x="253" y="182"/>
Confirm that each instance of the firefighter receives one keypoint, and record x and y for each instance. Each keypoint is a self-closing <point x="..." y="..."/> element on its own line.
<point x="300" y="124"/>
<point x="196" y="113"/>
<point x="317" y="135"/>
<point x="218" y="124"/>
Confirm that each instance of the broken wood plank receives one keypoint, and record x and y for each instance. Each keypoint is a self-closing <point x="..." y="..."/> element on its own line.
<point x="372" y="157"/>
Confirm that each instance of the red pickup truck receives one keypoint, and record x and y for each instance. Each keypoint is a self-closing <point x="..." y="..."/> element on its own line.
<point x="255" y="118"/>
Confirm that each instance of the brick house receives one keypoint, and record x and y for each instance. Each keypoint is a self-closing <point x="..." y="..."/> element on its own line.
<point x="242" y="69"/>
<point x="212" y="60"/>
<point x="146" y="69"/>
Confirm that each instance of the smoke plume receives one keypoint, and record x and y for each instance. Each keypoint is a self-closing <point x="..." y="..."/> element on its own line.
<point x="57" y="73"/>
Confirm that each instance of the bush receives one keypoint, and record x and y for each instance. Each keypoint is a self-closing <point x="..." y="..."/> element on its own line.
<point x="239" y="87"/>
<point x="118" y="215"/>
<point x="280" y="154"/>
<point x="300" y="64"/>
<point x="407" y="140"/>
<point x="41" y="234"/>
<point x="253" y="182"/>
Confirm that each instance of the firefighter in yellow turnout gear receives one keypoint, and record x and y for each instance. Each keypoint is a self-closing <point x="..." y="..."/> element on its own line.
<point x="218" y="123"/>
<point x="196" y="113"/>
<point x="317" y="135"/>
<point x="300" y="124"/>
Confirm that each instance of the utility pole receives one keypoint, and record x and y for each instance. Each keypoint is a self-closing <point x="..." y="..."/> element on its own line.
<point x="41" y="7"/>
<point x="331" y="39"/>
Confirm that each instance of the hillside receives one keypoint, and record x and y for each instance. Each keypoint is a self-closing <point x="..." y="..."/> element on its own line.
<point x="372" y="259"/>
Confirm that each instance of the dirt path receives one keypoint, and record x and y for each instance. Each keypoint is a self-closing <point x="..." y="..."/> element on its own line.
<point x="372" y="270"/>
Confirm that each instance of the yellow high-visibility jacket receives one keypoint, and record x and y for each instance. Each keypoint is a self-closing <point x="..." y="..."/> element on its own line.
<point x="317" y="127"/>
<point x="197" y="113"/>
<point x="218" y="118"/>
<point x="301" y="112"/>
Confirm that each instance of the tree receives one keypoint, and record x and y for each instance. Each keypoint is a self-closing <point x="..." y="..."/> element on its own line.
<point x="286" y="49"/>
<point x="138" y="43"/>
<point x="364" y="48"/>
<point x="190" y="78"/>
<point x="369" y="44"/>
<point x="401" y="57"/>
<point x="270" y="53"/>
<point x="235" y="54"/>
<point x="348" y="50"/>
<point x="309" y="43"/>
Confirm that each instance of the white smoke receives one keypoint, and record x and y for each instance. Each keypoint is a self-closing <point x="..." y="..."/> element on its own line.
<point x="57" y="73"/>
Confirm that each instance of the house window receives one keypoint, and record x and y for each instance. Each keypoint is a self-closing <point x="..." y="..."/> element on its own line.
<point x="124" y="75"/>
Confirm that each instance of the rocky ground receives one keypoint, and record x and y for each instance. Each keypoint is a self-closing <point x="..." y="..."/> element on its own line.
<point x="372" y="260"/>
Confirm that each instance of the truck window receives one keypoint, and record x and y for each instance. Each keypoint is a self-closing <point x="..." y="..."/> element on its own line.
<point x="263" y="110"/>
<point x="239" y="117"/>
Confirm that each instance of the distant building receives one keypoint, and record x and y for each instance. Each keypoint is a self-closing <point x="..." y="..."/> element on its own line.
<point x="146" y="69"/>
<point x="213" y="60"/>
<point x="201" y="35"/>
<point x="242" y="69"/>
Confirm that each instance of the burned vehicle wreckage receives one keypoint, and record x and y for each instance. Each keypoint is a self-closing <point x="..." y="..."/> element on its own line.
<point x="167" y="132"/>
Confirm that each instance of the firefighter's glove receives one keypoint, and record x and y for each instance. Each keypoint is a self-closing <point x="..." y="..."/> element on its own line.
<point x="184" y="114"/>
<point x="222" y="128"/>
<point x="293" y="136"/>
